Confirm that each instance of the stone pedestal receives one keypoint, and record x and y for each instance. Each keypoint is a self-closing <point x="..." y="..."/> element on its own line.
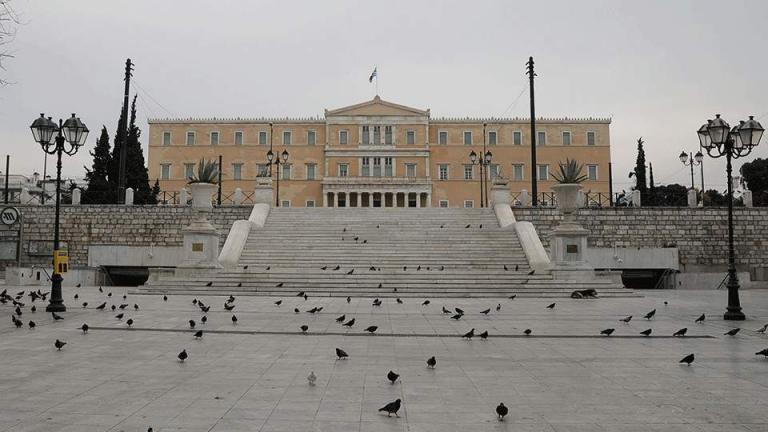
<point x="636" y="198"/>
<point x="525" y="200"/>
<point x="238" y="196"/>
<point x="201" y="240"/>
<point x="500" y="192"/>
<point x="129" y="196"/>
<point x="568" y="241"/>
<point x="75" y="196"/>
<point x="263" y="193"/>
<point x="692" y="198"/>
<point x="183" y="197"/>
<point x="747" y="198"/>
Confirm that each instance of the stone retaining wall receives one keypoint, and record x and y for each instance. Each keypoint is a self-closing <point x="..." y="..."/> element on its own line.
<point x="699" y="234"/>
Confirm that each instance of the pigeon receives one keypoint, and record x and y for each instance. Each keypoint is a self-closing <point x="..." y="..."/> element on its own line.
<point x="209" y="284"/>
<point x="165" y="298"/>
<point x="763" y="352"/>
<point x="502" y="411"/>
<point x="194" y="301"/>
<point x="349" y="323"/>
<point x="457" y="317"/>
<point x="376" y="302"/>
<point x="59" y="344"/>
<point x="371" y="329"/>
<point x="608" y="331"/>
<point x="398" y="300"/>
<point x="76" y="296"/>
<point x="16" y="322"/>
<point x="279" y="285"/>
<point x="373" y="268"/>
<point x="125" y="296"/>
<point x="123" y="306"/>
<point x="56" y="317"/>
<point x="278" y="303"/>
<point x="498" y="307"/>
<point x="650" y="314"/>
<point x="459" y="310"/>
<point x="300" y="294"/>
<point x="405" y="268"/>
<point x="78" y="285"/>
<point x="681" y="332"/>
<point x="351" y="271"/>
<point x="732" y="332"/>
<point x="239" y="284"/>
<point x="114" y="308"/>
<point x="484" y="335"/>
<point x="311" y="378"/>
<point x="84" y="328"/>
<point x="32" y="324"/>
<point x="101" y="290"/>
<point x="305" y="297"/>
<point x="391" y="408"/>
<point x="135" y="307"/>
<point x="228" y="306"/>
<point x="245" y="267"/>
<point x="469" y="334"/>
<point x="191" y="324"/>
<point x="467" y="226"/>
<point x="446" y="311"/>
<point x="296" y="310"/>
<point x="505" y="268"/>
<point x="700" y="319"/>
<point x="341" y="354"/>
<point x="646" y="332"/>
<point x="530" y="273"/>
<point x="418" y="268"/>
<point x="517" y="267"/>
<point x="349" y="299"/>
<point x="304" y="328"/>
<point x="338" y="267"/>
<point x="552" y="306"/>
<point x="762" y="329"/>
<point x="234" y="319"/>
<point x="481" y="226"/>
<point x="425" y="302"/>
<point x="512" y="297"/>
<point x="324" y="268"/>
<point x="392" y="377"/>
<point x="527" y="332"/>
<point x="485" y="312"/>
<point x="198" y="334"/>
<point x="626" y="320"/>
<point x="341" y="318"/>
<point x="182" y="355"/>
<point x="203" y="319"/>
<point x="129" y="322"/>
<point x="34" y="309"/>
<point x="431" y="362"/>
<point x="687" y="359"/>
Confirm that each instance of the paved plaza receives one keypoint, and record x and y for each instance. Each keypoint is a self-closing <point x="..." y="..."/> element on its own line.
<point x="252" y="376"/>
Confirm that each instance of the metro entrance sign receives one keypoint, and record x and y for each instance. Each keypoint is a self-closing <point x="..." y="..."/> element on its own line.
<point x="9" y="216"/>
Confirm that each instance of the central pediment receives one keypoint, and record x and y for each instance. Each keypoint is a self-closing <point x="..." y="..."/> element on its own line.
<point x="377" y="107"/>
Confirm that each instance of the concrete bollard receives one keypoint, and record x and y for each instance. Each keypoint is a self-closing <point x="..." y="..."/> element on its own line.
<point x="238" y="197"/>
<point x="692" y="198"/>
<point x="129" y="196"/>
<point x="747" y="198"/>
<point x="636" y="198"/>
<point x="183" y="197"/>
<point x="525" y="200"/>
<point x="76" y="196"/>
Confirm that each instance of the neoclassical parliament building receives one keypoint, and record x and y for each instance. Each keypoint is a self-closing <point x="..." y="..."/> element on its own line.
<point x="378" y="154"/>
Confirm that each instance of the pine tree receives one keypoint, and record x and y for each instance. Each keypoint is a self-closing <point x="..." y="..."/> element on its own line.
<point x="640" y="167"/>
<point x="98" y="189"/>
<point x="156" y="190"/>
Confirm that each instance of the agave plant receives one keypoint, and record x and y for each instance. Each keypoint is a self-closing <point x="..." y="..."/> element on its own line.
<point x="207" y="172"/>
<point x="570" y="172"/>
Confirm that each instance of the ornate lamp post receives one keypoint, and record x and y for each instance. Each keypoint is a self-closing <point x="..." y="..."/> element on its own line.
<point x="715" y="138"/>
<point x="74" y="132"/>
<point x="483" y="160"/>
<point x="277" y="162"/>
<point x="694" y="160"/>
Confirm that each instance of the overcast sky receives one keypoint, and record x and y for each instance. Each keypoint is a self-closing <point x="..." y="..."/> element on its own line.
<point x="659" y="69"/>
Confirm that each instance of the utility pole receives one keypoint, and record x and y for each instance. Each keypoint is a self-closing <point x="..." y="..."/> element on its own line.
<point x="218" y="199"/>
<point x="123" y="135"/>
<point x="7" y="167"/>
<point x="610" y="183"/>
<point x="534" y="188"/>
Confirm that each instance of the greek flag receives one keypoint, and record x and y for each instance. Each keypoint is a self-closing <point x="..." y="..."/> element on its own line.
<point x="373" y="75"/>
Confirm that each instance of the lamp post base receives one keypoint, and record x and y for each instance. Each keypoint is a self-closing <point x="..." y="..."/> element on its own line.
<point x="734" y="315"/>
<point x="57" y="302"/>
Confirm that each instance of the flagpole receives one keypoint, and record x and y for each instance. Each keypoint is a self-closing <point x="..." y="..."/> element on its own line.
<point x="376" y="68"/>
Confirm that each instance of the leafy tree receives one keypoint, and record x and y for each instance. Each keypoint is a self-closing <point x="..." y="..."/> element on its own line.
<point x="98" y="189"/>
<point x="755" y="175"/>
<point x="156" y="190"/>
<point x="714" y="198"/>
<point x="673" y="195"/>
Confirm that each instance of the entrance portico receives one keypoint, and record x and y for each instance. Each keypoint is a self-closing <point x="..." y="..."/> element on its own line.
<point x="378" y="192"/>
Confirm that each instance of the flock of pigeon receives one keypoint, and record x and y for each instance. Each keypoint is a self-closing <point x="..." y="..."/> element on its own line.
<point x="229" y="305"/>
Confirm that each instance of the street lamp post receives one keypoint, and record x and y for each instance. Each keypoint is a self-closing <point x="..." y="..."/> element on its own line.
<point x="718" y="139"/>
<point x="74" y="132"/>
<point x="694" y="160"/>
<point x="483" y="160"/>
<point x="277" y="162"/>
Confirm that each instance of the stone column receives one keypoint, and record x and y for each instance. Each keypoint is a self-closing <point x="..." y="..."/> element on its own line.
<point x="429" y="199"/>
<point x="183" y="197"/>
<point x="263" y="192"/>
<point x="325" y="199"/>
<point x="747" y="198"/>
<point x="500" y="192"/>
<point x="692" y="199"/>
<point x="636" y="198"/>
<point x="128" y="196"/>
<point x="370" y="199"/>
<point x="238" y="197"/>
<point x="418" y="199"/>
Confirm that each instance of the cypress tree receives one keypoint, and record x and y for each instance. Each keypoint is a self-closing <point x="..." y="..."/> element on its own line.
<point x="113" y="174"/>
<point x="136" y="175"/>
<point x="640" y="167"/>
<point x="98" y="189"/>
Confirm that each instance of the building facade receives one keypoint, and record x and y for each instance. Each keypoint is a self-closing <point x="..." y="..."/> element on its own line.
<point x="378" y="154"/>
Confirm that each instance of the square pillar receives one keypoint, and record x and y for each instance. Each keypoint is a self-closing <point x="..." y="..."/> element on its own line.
<point x="418" y="199"/>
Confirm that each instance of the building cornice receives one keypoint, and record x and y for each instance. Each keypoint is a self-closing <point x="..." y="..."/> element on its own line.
<point x="517" y="120"/>
<point x="238" y="120"/>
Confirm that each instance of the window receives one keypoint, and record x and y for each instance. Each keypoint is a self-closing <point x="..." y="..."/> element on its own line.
<point x="311" y="171"/>
<point x="311" y="137"/>
<point x="343" y="137"/>
<point x="590" y="138"/>
<point x="237" y="171"/>
<point x="543" y="173"/>
<point x="214" y="138"/>
<point x="442" y="203"/>
<point x="343" y="170"/>
<point x="566" y="138"/>
<point x="592" y="172"/>
<point x="286" y="137"/>
<point x="442" y="169"/>
<point x="469" y="204"/>
<point x="285" y="203"/>
<point x="377" y="135"/>
<point x="492" y="138"/>
<point x="366" y="171"/>
<point x="166" y="138"/>
<point x="493" y="171"/>
<point x="190" y="138"/>
<point x="467" y="138"/>
<point x="262" y="170"/>
<point x="366" y="135"/>
<point x="468" y="172"/>
<point x="239" y="138"/>
<point x="517" y="172"/>
<point x="442" y="138"/>
<point x="377" y="167"/>
<point x="517" y="138"/>
<point x="410" y="170"/>
<point x="286" y="171"/>
<point x="165" y="171"/>
<point x="410" y="137"/>
<point x="388" y="167"/>
<point x="189" y="170"/>
<point x="310" y="203"/>
<point x="541" y="138"/>
<point x="262" y="137"/>
<point x="388" y="135"/>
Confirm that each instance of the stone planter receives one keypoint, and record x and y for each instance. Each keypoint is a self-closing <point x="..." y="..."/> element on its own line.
<point x="567" y="197"/>
<point x="202" y="194"/>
